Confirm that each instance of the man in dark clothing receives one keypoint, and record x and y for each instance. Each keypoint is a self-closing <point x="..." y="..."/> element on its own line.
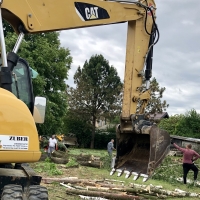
<point x="110" y="147"/>
<point x="189" y="156"/>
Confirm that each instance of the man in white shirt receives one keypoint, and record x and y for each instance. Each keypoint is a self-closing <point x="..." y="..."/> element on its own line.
<point x="52" y="145"/>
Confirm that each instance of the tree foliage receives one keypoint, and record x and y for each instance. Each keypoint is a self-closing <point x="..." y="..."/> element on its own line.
<point x="187" y="125"/>
<point x="79" y="126"/>
<point x="52" y="62"/>
<point x="156" y="105"/>
<point x="169" y="124"/>
<point x="97" y="89"/>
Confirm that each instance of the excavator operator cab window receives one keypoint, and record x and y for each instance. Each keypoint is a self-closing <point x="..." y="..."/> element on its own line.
<point x="22" y="84"/>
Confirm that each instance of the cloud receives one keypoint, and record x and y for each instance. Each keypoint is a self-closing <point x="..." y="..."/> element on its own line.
<point x="176" y="63"/>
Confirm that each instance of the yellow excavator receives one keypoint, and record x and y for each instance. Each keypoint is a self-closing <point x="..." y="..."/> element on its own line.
<point x="141" y="146"/>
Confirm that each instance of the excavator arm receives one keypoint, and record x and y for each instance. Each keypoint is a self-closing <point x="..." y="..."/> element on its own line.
<point x="47" y="15"/>
<point x="141" y="146"/>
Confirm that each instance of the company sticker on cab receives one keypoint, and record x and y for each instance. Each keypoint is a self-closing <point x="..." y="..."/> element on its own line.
<point x="8" y="142"/>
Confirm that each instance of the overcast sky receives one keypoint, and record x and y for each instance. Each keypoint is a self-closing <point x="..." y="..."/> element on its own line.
<point x="176" y="64"/>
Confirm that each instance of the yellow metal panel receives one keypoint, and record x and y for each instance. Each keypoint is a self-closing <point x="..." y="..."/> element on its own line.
<point x="19" y="156"/>
<point x="16" y="120"/>
<point x="48" y="15"/>
<point x="136" y="48"/>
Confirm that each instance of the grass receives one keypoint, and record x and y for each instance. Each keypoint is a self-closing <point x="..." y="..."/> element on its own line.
<point x="48" y="167"/>
<point x="165" y="175"/>
<point x="100" y="153"/>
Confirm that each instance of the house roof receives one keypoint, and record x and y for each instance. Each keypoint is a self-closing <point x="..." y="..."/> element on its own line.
<point x="196" y="140"/>
<point x="157" y="116"/>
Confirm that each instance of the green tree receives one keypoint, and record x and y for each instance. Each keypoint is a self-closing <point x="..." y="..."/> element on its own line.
<point x="189" y="125"/>
<point x="52" y="62"/>
<point x="156" y="105"/>
<point x="170" y="124"/>
<point x="79" y="126"/>
<point x="7" y="28"/>
<point x="97" y="88"/>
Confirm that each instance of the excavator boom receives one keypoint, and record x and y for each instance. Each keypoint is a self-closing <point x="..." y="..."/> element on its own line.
<point x="47" y="15"/>
<point x="141" y="146"/>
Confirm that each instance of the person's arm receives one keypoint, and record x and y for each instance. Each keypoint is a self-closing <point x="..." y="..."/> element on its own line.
<point x="179" y="148"/>
<point x="196" y="156"/>
<point x="56" y="144"/>
<point x="113" y="147"/>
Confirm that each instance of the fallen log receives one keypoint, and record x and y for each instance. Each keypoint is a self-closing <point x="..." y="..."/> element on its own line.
<point x="97" y="164"/>
<point x="82" y="157"/>
<point x="93" y="186"/>
<point x="152" y="190"/>
<point x="59" y="160"/>
<point x="102" y="194"/>
<point x="94" y="198"/>
<point x="113" y="180"/>
<point x="82" y="182"/>
<point x="72" y="180"/>
<point x="59" y="154"/>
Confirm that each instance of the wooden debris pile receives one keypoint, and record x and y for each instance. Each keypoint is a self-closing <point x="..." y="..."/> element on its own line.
<point x="114" y="189"/>
<point x="62" y="157"/>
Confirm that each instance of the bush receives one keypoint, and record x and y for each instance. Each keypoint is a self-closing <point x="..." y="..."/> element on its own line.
<point x="48" y="167"/>
<point x="106" y="162"/>
<point x="102" y="138"/>
<point x="168" y="171"/>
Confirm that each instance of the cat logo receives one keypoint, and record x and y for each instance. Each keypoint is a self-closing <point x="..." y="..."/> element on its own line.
<point x="88" y="12"/>
<point x="91" y="13"/>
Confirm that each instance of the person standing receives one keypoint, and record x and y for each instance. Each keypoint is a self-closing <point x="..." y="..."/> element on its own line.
<point x="52" y="145"/>
<point x="110" y="147"/>
<point x="189" y="156"/>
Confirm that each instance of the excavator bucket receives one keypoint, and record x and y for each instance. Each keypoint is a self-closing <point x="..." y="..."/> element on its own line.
<point x="140" y="154"/>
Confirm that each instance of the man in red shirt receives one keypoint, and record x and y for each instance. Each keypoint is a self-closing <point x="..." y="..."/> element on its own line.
<point x="189" y="156"/>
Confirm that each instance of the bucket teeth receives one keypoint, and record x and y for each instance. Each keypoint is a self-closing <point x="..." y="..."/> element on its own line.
<point x="128" y="173"/>
<point x="145" y="177"/>
<point x="135" y="175"/>
<point x="112" y="171"/>
<point x="120" y="172"/>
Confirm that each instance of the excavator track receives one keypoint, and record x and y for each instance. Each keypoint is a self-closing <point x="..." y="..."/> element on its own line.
<point x="138" y="155"/>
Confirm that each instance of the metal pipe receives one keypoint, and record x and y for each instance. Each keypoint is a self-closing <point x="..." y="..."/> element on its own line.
<point x="3" y="46"/>
<point x="147" y="85"/>
<point x="19" y="41"/>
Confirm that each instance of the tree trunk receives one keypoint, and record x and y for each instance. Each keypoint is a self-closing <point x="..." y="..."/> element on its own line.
<point x="82" y="157"/>
<point x="59" y="154"/>
<point x="59" y="160"/>
<point x="97" y="164"/>
<point x="102" y="194"/>
<point x="93" y="132"/>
